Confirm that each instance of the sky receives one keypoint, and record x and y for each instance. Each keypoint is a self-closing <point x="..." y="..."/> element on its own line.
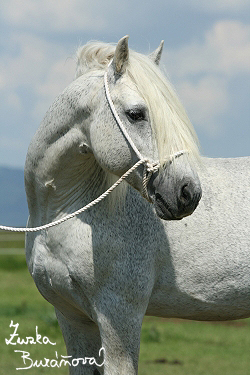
<point x="206" y="57"/>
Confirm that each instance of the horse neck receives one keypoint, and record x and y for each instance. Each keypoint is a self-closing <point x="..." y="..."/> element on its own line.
<point x="82" y="183"/>
<point x="71" y="188"/>
<point x="82" y="179"/>
<point x="58" y="177"/>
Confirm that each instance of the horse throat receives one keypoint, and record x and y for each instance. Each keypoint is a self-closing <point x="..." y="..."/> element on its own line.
<point x="80" y="183"/>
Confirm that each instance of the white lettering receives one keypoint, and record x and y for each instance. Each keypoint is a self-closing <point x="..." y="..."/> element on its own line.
<point x="100" y="351"/>
<point x="28" y="339"/>
<point x="45" y="362"/>
<point x="65" y="360"/>
<point x="26" y="355"/>
<point x="13" y="334"/>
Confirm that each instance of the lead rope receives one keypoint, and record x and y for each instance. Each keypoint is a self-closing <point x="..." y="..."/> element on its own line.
<point x="69" y="216"/>
<point x="149" y="169"/>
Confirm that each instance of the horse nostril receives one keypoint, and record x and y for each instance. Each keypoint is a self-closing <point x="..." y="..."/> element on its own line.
<point x="186" y="195"/>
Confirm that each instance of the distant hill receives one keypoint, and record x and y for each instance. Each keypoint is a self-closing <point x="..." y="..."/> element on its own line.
<point x="13" y="205"/>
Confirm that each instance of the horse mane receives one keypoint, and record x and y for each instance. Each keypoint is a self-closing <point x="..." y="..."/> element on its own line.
<point x="170" y="123"/>
<point x="93" y="56"/>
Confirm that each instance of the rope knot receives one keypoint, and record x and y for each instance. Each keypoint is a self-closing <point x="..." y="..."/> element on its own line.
<point x="149" y="169"/>
<point x="152" y="167"/>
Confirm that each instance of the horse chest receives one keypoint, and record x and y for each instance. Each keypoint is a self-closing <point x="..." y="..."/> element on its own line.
<point x="78" y="262"/>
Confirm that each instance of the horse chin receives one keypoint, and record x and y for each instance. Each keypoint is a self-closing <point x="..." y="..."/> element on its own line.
<point x="166" y="214"/>
<point x="174" y="201"/>
<point x="163" y="211"/>
<point x="162" y="208"/>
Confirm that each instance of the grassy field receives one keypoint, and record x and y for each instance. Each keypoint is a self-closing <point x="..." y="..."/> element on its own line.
<point x="171" y="347"/>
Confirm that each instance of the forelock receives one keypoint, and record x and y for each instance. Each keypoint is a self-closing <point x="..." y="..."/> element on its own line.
<point x="170" y="123"/>
<point x="93" y="56"/>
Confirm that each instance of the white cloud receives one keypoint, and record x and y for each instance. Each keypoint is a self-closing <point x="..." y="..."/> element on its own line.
<point x="33" y="72"/>
<point x="96" y="16"/>
<point x="63" y="15"/>
<point x="204" y="70"/>
<point x="31" y="61"/>
<point x="225" y="50"/>
<point x="13" y="101"/>
<point x="221" y="5"/>
<point x="60" y="74"/>
<point x="205" y="100"/>
<point x="229" y="42"/>
<point x="2" y="80"/>
<point x="38" y="67"/>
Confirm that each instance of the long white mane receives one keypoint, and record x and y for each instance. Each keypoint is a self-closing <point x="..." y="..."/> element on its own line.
<point x="170" y="123"/>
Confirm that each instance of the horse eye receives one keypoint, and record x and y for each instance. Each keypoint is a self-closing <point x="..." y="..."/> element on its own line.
<point x="136" y="114"/>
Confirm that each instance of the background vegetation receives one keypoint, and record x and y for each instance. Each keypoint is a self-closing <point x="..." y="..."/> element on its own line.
<point x="172" y="347"/>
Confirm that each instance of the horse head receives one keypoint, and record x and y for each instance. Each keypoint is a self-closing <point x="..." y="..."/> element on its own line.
<point x="146" y="121"/>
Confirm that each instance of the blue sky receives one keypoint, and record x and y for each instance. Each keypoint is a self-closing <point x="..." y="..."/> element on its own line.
<point x="206" y="56"/>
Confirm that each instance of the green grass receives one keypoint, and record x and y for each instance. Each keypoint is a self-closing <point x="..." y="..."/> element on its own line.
<point x="11" y="240"/>
<point x="22" y="303"/>
<point x="172" y="347"/>
<point x="195" y="348"/>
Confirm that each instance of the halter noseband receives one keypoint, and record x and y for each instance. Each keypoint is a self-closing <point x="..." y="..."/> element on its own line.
<point x="149" y="167"/>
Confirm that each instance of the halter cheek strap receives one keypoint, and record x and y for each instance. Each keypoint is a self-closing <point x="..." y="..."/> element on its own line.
<point x="117" y="117"/>
<point x="149" y="167"/>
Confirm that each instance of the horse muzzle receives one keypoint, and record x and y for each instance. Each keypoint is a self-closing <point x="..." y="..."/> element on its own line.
<point x="174" y="196"/>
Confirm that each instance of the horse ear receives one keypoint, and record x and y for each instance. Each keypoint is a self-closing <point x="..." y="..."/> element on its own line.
<point x="121" y="55"/>
<point x="156" y="55"/>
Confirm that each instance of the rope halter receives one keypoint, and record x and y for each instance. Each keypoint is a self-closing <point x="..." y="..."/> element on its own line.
<point x="149" y="169"/>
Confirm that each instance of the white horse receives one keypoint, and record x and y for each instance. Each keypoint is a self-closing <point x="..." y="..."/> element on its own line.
<point x="106" y="268"/>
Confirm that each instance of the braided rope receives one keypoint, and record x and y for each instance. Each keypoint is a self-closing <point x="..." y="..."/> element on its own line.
<point x="117" y="117"/>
